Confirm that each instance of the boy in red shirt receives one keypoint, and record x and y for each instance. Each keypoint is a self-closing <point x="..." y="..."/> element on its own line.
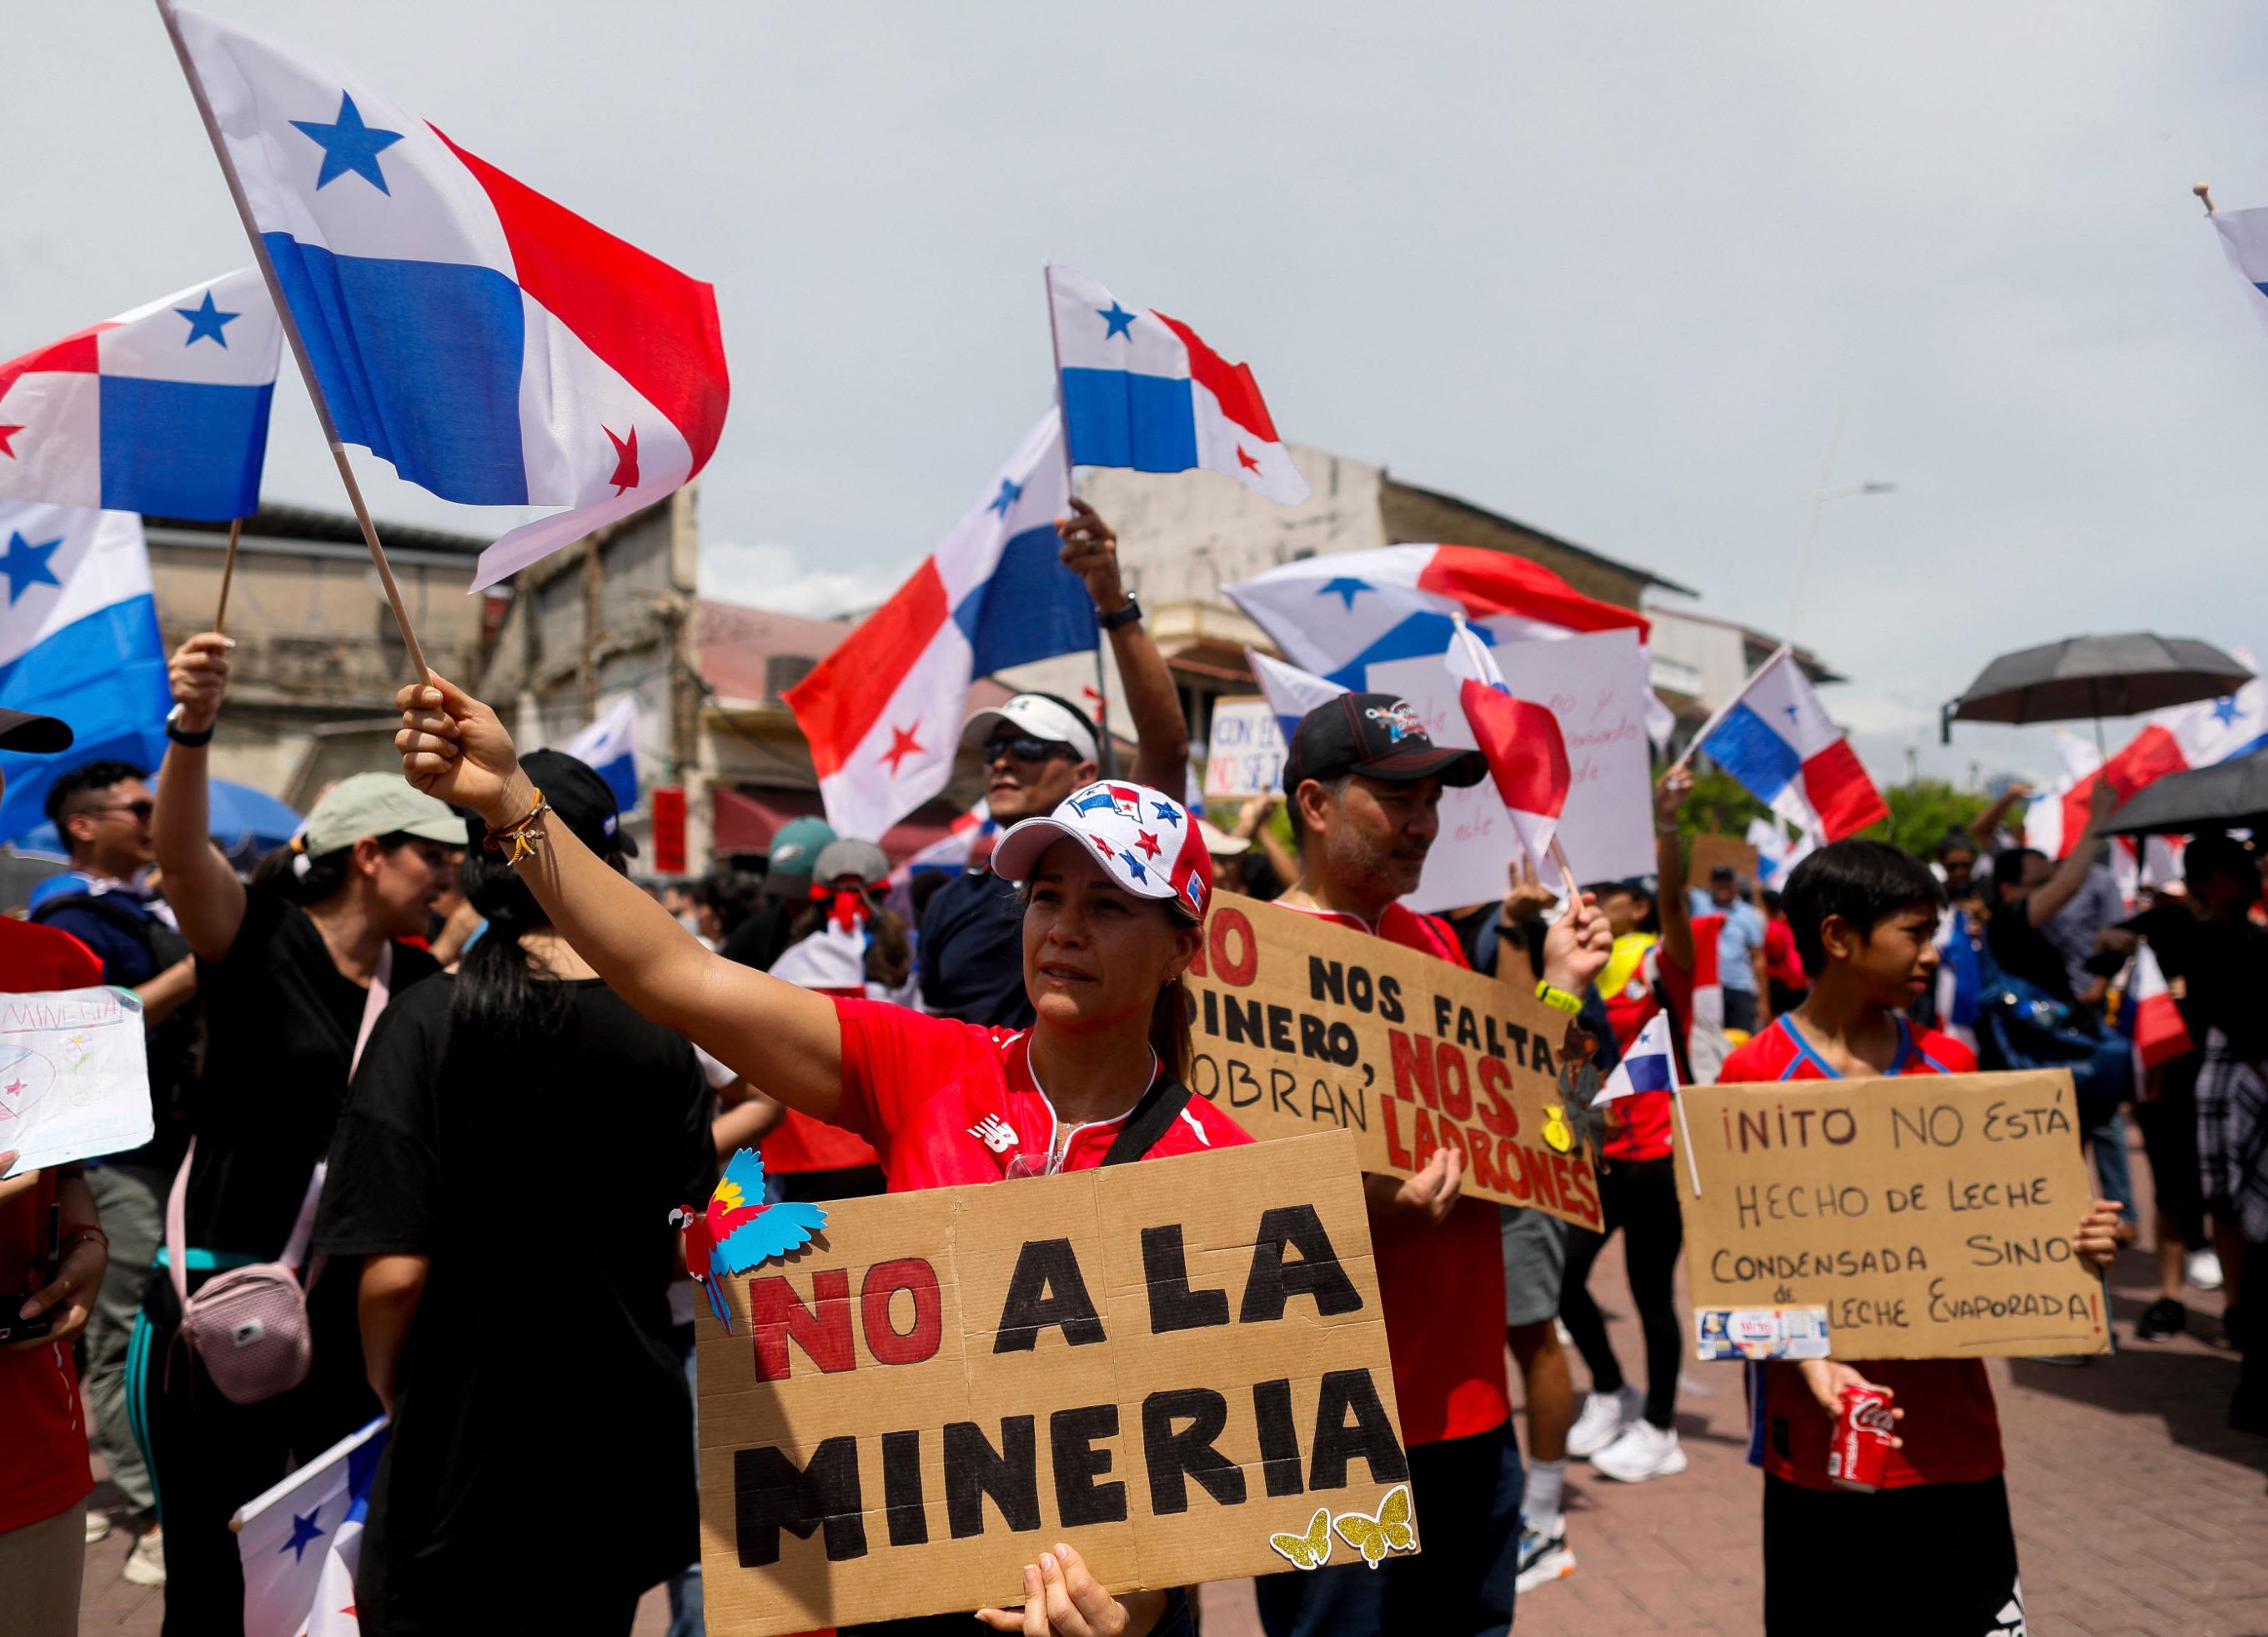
<point x="1864" y="915"/>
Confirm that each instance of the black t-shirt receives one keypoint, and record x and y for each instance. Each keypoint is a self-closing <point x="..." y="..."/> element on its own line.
<point x="538" y="1176"/>
<point x="762" y="938"/>
<point x="2021" y="949"/>
<point x="2220" y="971"/>
<point x="972" y="952"/>
<point x="280" y="1026"/>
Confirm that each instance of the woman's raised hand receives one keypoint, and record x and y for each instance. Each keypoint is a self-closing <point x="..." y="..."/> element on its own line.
<point x="453" y="748"/>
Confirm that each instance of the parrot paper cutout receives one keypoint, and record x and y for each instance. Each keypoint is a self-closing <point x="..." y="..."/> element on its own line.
<point x="739" y="1229"/>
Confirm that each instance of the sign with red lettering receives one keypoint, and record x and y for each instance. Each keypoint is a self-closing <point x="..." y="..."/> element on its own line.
<point x="1178" y="1366"/>
<point x="1929" y="1216"/>
<point x="1303" y="1026"/>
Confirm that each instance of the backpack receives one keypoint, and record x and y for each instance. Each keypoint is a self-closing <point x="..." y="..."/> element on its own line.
<point x="248" y="1326"/>
<point x="2020" y="1026"/>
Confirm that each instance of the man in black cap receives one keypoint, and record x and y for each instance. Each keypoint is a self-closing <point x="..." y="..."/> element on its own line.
<point x="1365" y="784"/>
<point x="1036" y="749"/>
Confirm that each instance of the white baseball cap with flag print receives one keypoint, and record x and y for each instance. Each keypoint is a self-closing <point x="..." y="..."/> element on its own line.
<point x="1146" y="840"/>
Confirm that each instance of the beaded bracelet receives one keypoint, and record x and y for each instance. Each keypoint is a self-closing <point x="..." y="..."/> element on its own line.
<point x="521" y="837"/>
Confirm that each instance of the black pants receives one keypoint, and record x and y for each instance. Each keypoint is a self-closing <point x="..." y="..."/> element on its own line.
<point x="207" y="1456"/>
<point x="2169" y="1123"/>
<point x="1640" y="1198"/>
<point x="1936" y="1557"/>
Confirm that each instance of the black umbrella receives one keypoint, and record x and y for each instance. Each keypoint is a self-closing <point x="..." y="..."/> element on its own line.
<point x="2228" y="795"/>
<point x="2095" y="676"/>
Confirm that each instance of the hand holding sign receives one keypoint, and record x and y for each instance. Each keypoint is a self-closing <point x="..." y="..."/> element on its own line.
<point x="1061" y="1599"/>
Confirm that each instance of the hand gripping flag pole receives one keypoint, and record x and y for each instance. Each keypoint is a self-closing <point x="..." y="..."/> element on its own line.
<point x="298" y="352"/>
<point x="1108" y="759"/>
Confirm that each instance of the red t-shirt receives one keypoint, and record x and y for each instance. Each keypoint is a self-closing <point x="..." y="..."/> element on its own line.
<point x="1443" y="1286"/>
<point x="945" y="1103"/>
<point x="1782" y="964"/>
<point x="1951" y="1429"/>
<point x="799" y="1143"/>
<point x="43" y="1466"/>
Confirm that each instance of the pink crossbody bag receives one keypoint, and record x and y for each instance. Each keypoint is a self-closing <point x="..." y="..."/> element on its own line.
<point x="248" y="1326"/>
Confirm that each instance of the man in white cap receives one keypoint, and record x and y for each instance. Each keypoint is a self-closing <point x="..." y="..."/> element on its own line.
<point x="1037" y="748"/>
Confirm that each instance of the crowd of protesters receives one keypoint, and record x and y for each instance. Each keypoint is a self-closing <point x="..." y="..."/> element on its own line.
<point x="445" y="1022"/>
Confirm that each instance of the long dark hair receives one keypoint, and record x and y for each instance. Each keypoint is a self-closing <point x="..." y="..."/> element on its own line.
<point x="1169" y="1028"/>
<point x="499" y="996"/>
<point x="289" y="870"/>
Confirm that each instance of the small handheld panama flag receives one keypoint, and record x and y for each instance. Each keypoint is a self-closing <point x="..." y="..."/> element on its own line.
<point x="1651" y="1065"/>
<point x="1778" y="741"/>
<point x="300" y="1542"/>
<point x="2151" y="1016"/>
<point x="1526" y="753"/>
<point x="1143" y="390"/>
<point x="163" y="409"/>
<point x="493" y="346"/>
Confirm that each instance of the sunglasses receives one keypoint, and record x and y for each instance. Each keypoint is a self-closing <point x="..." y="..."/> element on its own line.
<point x="1024" y="747"/>
<point x="141" y="810"/>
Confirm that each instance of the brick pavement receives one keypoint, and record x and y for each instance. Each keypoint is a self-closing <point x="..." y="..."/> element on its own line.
<point x="2138" y="1513"/>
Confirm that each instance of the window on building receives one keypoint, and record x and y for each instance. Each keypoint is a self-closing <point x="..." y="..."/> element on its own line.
<point x="784" y="671"/>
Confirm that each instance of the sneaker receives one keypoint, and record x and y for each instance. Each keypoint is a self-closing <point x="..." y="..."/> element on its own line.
<point x="2202" y="1270"/>
<point x="1643" y="1451"/>
<point x="1605" y="1416"/>
<point x="146" y="1565"/>
<point x="1544" y="1558"/>
<point x="98" y="1527"/>
<point x="2161" y="1319"/>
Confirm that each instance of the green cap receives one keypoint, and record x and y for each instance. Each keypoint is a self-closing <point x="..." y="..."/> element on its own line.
<point x="377" y="804"/>
<point x="795" y="847"/>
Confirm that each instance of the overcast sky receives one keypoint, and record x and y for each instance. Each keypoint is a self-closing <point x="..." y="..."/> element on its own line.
<point x="1609" y="269"/>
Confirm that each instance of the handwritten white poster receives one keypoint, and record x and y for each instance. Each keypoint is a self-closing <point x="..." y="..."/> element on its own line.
<point x="74" y="1080"/>
<point x="1244" y="757"/>
<point x="1596" y="685"/>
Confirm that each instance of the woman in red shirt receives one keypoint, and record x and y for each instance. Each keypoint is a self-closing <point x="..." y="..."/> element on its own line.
<point x="1117" y="883"/>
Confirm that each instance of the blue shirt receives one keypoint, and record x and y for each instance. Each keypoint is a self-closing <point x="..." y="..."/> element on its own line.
<point x="971" y="953"/>
<point x="1744" y="935"/>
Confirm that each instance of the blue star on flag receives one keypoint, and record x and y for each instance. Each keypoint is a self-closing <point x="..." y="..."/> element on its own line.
<point x="207" y="320"/>
<point x="1344" y="587"/>
<point x="1010" y="493"/>
<point x="1118" y="318"/>
<point x="349" y="144"/>
<point x="2224" y="709"/>
<point x="303" y="1533"/>
<point x="1134" y="864"/>
<point x="26" y="565"/>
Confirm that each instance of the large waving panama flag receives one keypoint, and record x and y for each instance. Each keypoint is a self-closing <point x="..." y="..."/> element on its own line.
<point x="883" y="712"/>
<point x="78" y="640"/>
<point x="1144" y="390"/>
<point x="1778" y="740"/>
<point x="493" y="346"/>
<point x="163" y="409"/>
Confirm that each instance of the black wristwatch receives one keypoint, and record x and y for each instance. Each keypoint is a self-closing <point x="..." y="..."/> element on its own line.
<point x="182" y="735"/>
<point x="1122" y="618"/>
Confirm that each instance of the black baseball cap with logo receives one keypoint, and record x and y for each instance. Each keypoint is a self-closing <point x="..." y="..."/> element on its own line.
<point x="1378" y="736"/>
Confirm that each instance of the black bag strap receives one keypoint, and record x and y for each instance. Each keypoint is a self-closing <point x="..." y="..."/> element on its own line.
<point x="1159" y="1107"/>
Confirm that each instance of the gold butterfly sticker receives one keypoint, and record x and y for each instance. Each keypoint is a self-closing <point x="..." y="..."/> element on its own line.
<point x="1391" y="1530"/>
<point x="1310" y="1551"/>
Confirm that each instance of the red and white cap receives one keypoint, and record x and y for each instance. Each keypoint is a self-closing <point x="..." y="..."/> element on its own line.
<point x="1148" y="842"/>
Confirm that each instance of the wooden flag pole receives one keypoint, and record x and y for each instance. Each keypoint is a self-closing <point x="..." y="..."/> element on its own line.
<point x="227" y="571"/>
<point x="2204" y="191"/>
<point x="1106" y="753"/>
<point x="292" y="334"/>
<point x="1684" y="1131"/>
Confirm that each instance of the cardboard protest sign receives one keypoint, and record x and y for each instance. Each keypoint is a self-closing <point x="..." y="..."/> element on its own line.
<point x="74" y="1078"/>
<point x="1928" y="1216"/>
<point x="1244" y="755"/>
<point x="1174" y="1365"/>
<point x="1303" y="1026"/>
<point x="1711" y="850"/>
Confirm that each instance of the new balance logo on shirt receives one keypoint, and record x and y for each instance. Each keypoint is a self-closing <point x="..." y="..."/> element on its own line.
<point x="995" y="1134"/>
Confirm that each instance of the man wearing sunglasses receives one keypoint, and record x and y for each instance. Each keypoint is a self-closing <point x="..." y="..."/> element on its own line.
<point x="1036" y="750"/>
<point x="101" y="811"/>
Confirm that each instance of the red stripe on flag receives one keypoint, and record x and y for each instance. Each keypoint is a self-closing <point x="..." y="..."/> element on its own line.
<point x="1495" y="582"/>
<point x="1837" y="785"/>
<point x="652" y="325"/>
<point x="1526" y="755"/>
<point x="73" y="355"/>
<point x="1231" y="383"/>
<point x="2154" y="753"/>
<point x="838" y="704"/>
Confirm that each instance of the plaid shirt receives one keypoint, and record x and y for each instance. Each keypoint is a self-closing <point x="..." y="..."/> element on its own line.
<point x="2231" y="1122"/>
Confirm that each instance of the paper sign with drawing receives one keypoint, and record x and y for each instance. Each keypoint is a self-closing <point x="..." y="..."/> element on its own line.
<point x="74" y="1080"/>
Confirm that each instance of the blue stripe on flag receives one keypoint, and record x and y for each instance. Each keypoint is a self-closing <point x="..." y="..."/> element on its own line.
<point x="1420" y="635"/>
<point x="1033" y="607"/>
<point x="1648" y="1072"/>
<point x="620" y="775"/>
<point x="1117" y="417"/>
<point x="106" y="675"/>
<point x="420" y="363"/>
<point x="182" y="448"/>
<point x="1744" y="746"/>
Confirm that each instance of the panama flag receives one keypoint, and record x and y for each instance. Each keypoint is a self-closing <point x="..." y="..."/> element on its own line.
<point x="163" y="409"/>
<point x="883" y="712"/>
<point x="300" y="1542"/>
<point x="1776" y="855"/>
<point x="1776" y="738"/>
<point x="968" y="842"/>
<point x="2244" y="241"/>
<point x="1526" y="753"/>
<point x="78" y="640"/>
<point x="1290" y="692"/>
<point x="1960" y="979"/>
<point x="2151" y="1016"/>
<point x="493" y="347"/>
<point x="1650" y="1064"/>
<point x="1144" y="390"/>
<point x="608" y="748"/>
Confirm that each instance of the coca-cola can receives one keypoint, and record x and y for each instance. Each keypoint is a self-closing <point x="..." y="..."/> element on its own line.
<point x="1861" y="1452"/>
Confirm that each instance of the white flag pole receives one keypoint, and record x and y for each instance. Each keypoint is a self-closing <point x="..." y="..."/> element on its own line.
<point x="1684" y="1131"/>
<point x="292" y="334"/>
<point x="1107" y="756"/>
